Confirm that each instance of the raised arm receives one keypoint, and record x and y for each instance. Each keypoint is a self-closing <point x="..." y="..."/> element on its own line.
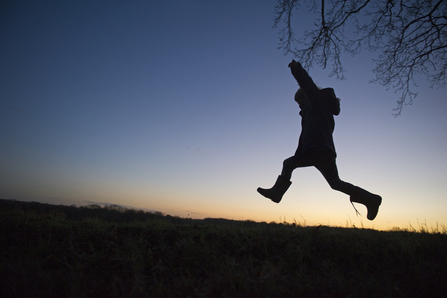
<point x="304" y="80"/>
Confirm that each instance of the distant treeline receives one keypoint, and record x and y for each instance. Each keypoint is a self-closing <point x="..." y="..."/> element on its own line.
<point x="116" y="213"/>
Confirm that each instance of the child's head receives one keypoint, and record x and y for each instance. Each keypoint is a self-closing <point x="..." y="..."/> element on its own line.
<point x="300" y="97"/>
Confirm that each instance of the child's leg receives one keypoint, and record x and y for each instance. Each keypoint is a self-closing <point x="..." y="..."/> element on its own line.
<point x="328" y="167"/>
<point x="283" y="182"/>
<point x="291" y="163"/>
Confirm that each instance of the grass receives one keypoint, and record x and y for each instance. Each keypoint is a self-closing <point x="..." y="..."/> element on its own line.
<point x="62" y="251"/>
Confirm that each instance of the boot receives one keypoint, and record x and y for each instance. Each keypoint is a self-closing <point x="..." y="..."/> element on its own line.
<point x="277" y="191"/>
<point x="371" y="201"/>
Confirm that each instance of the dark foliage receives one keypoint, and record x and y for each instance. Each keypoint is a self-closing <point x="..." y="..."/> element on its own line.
<point x="57" y="251"/>
<point x="410" y="37"/>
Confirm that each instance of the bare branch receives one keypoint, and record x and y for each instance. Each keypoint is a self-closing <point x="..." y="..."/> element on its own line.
<point x="410" y="36"/>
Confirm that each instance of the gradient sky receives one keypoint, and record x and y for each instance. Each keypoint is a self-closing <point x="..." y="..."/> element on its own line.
<point x="186" y="107"/>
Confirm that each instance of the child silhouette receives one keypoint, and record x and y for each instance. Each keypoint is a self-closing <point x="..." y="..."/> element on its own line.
<point x="316" y="146"/>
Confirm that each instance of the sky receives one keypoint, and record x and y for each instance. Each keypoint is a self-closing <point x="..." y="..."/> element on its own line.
<point x="186" y="107"/>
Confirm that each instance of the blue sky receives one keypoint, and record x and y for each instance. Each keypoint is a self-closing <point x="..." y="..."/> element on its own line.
<point x="186" y="107"/>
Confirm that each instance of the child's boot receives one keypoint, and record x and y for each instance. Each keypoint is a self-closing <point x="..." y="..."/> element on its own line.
<point x="277" y="191"/>
<point x="371" y="201"/>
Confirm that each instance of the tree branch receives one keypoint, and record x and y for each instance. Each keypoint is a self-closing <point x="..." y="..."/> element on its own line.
<point x="411" y="38"/>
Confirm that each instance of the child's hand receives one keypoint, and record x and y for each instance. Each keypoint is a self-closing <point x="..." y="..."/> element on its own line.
<point x="293" y="64"/>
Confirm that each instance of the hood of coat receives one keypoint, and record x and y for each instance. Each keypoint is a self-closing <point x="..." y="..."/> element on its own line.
<point x="328" y="95"/>
<point x="332" y="100"/>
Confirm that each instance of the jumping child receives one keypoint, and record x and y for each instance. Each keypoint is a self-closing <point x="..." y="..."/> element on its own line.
<point x="316" y="146"/>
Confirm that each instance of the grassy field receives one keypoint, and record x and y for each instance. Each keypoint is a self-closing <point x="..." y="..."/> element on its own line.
<point x="68" y="251"/>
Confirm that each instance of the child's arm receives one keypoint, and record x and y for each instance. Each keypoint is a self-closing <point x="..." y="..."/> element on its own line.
<point x="304" y="80"/>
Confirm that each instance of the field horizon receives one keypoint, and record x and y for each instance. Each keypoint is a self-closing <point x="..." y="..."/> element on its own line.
<point x="55" y="250"/>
